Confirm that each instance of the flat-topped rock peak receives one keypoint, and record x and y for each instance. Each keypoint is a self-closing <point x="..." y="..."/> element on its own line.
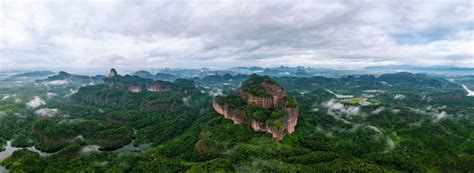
<point x="263" y="104"/>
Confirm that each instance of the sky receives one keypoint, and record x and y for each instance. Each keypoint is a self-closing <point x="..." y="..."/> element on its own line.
<point x="138" y="34"/>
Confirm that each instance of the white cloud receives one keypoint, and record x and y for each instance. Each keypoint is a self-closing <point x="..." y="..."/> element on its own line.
<point x="57" y="82"/>
<point x="35" y="102"/>
<point x="187" y="100"/>
<point x="376" y="129"/>
<point x="46" y="112"/>
<point x="149" y="33"/>
<point x="51" y="95"/>
<point x="352" y="110"/>
<point x="216" y="92"/>
<point x="71" y="92"/>
<point x="440" y="115"/>
<point x="390" y="145"/>
<point x="333" y="105"/>
<point x="378" y="110"/>
<point x="6" y="96"/>
<point x="399" y="97"/>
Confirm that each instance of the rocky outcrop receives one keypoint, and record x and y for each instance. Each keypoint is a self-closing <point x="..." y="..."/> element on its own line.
<point x="267" y="103"/>
<point x="262" y="127"/>
<point x="276" y="113"/>
<point x="135" y="88"/>
<point x="113" y="73"/>
<point x="291" y="119"/>
<point x="273" y="101"/>
<point x="157" y="87"/>
<point x="238" y="117"/>
<point x="234" y="115"/>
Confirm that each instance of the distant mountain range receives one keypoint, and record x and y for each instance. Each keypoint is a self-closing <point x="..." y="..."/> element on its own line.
<point x="426" y="69"/>
<point x="170" y="74"/>
<point x="29" y="76"/>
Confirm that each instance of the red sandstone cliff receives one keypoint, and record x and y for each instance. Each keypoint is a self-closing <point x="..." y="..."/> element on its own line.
<point x="157" y="87"/>
<point x="275" y="100"/>
<point x="262" y="127"/>
<point x="234" y="115"/>
<point x="265" y="92"/>
<point x="290" y="120"/>
<point x="135" y="89"/>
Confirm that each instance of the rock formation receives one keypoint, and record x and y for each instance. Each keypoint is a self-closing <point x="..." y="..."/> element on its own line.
<point x="157" y="87"/>
<point x="135" y="88"/>
<point x="113" y="73"/>
<point x="234" y="115"/>
<point x="267" y="107"/>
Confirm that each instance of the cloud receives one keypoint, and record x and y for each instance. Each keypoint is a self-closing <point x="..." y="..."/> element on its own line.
<point x="187" y="100"/>
<point x="376" y="129"/>
<point x="378" y="110"/>
<point x="176" y="33"/>
<point x="437" y="113"/>
<point x="399" y="97"/>
<point x="333" y="105"/>
<point x="57" y="82"/>
<point x="71" y="92"/>
<point x="35" y="102"/>
<point x="216" y="92"/>
<point x="89" y="148"/>
<point x="51" y="95"/>
<point x="46" y="112"/>
<point x="7" y="96"/>
<point x="390" y="145"/>
<point x="439" y="116"/>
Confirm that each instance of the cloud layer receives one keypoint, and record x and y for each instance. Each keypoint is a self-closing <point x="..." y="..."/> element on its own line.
<point x="187" y="33"/>
<point x="35" y="102"/>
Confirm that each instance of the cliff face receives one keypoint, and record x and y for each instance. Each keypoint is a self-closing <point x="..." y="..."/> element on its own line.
<point x="272" y="100"/>
<point x="261" y="127"/>
<point x="267" y="103"/>
<point x="113" y="73"/>
<point x="135" y="89"/>
<point x="156" y="87"/>
<point x="235" y="116"/>
<point x="291" y="119"/>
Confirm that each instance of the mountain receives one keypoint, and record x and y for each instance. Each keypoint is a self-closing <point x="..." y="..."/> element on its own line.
<point x="73" y="79"/>
<point x="262" y="103"/>
<point x="424" y="69"/>
<point x="128" y="91"/>
<point x="30" y="76"/>
<point x="158" y="76"/>
<point x="143" y="74"/>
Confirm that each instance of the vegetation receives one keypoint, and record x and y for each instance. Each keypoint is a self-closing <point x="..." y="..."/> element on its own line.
<point x="254" y="85"/>
<point x="290" y="101"/>
<point x="172" y="135"/>
<point x="2" y="144"/>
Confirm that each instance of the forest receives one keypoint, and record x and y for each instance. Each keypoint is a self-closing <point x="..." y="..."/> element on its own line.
<point x="398" y="122"/>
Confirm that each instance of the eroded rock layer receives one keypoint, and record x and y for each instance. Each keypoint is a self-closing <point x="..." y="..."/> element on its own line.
<point x="290" y="120"/>
<point x="273" y="101"/>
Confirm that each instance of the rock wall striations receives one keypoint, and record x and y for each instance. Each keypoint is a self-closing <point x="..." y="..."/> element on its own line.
<point x="156" y="87"/>
<point x="290" y="120"/>
<point x="272" y="99"/>
<point x="234" y="115"/>
<point x="135" y="88"/>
